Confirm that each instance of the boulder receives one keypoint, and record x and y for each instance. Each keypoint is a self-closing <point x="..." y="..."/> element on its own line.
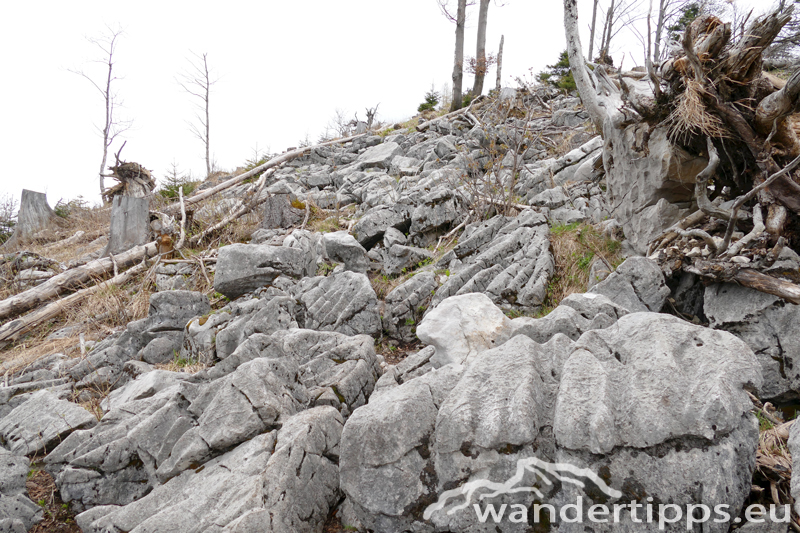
<point x="406" y="304"/>
<point x="380" y="156"/>
<point x="399" y="258"/>
<point x="370" y="228"/>
<point x="243" y="268"/>
<point x="651" y="406"/>
<point x="42" y="422"/>
<point x="280" y="482"/>
<point x="461" y="327"/>
<point x="18" y="513"/>
<point x="342" y="247"/>
<point x="343" y="302"/>
<point x="637" y="285"/>
<point x="280" y="213"/>
<point x="768" y="325"/>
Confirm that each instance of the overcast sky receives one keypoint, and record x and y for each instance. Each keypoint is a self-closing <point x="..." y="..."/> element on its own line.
<point x="284" y="67"/>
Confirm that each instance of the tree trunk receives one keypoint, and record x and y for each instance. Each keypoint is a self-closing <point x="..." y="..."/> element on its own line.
<point x="34" y="216"/>
<point x="500" y="63"/>
<point x="130" y="224"/>
<point x="208" y="124"/>
<point x="480" y="51"/>
<point x="663" y="5"/>
<point x="594" y="27"/>
<point x="72" y="279"/>
<point x="605" y="42"/>
<point x="458" y="63"/>
<point x="577" y="65"/>
<point x="12" y="330"/>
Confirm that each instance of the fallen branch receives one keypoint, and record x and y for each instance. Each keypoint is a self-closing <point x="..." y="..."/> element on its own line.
<point x="249" y="201"/>
<point x="463" y="111"/>
<point x="11" y="331"/>
<point x="272" y="163"/>
<point x="72" y="279"/>
<point x="183" y="220"/>
<point x="747" y="277"/>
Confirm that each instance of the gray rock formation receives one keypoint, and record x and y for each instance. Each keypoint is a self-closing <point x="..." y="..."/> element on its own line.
<point x="461" y="327"/>
<point x="342" y="247"/>
<point x="637" y="285"/>
<point x="40" y="423"/>
<point x="243" y="268"/>
<point x="509" y="260"/>
<point x="406" y="304"/>
<point x="424" y="448"/>
<point x="768" y="326"/>
<point x="18" y="513"/>
<point x="343" y="302"/>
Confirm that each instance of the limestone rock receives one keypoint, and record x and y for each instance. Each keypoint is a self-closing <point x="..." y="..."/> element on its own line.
<point x="243" y="268"/>
<point x="41" y="422"/>
<point x="461" y="327"/>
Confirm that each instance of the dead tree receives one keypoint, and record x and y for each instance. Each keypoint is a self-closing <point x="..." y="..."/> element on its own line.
<point x="197" y="81"/>
<point x="371" y="113"/>
<point x="458" y="60"/>
<point x="700" y="145"/>
<point x="480" y="53"/>
<point x="500" y="63"/>
<point x="34" y="215"/>
<point x="112" y="125"/>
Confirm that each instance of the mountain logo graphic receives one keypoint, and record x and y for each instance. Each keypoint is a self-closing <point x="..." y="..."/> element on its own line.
<point x="564" y="472"/>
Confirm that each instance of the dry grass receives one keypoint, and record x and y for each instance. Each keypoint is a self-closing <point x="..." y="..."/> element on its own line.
<point x="182" y="365"/>
<point x="574" y="247"/>
<point x="383" y="284"/>
<point x="690" y="116"/>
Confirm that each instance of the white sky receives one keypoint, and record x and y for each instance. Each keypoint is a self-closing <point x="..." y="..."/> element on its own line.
<point x="284" y="68"/>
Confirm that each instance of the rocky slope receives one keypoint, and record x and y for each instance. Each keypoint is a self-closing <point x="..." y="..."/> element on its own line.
<point x="295" y="417"/>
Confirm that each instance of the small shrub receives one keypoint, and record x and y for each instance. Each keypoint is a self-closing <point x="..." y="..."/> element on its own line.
<point x="431" y="101"/>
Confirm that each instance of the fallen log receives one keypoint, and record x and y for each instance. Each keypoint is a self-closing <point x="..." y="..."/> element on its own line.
<point x="274" y="162"/>
<point x="747" y="277"/>
<point x="11" y="331"/>
<point x="72" y="279"/>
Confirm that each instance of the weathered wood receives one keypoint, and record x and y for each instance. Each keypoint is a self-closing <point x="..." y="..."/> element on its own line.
<point x="748" y="277"/>
<point x="764" y="283"/>
<point x="272" y="163"/>
<point x="130" y="224"/>
<point x="34" y="215"/>
<point x="72" y="279"/>
<point x="11" y="331"/>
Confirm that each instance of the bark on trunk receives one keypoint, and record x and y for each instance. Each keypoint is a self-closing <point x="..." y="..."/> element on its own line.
<point x="72" y="279"/>
<point x="34" y="216"/>
<point x="11" y="331"/>
<point x="458" y="61"/>
<point x="500" y="63"/>
<point x="480" y="51"/>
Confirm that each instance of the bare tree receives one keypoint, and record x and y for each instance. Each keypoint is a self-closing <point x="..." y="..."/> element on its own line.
<point x="480" y="52"/>
<point x="619" y="15"/>
<point x="458" y="62"/>
<point x="500" y="63"/>
<point x="593" y="27"/>
<point x="197" y="81"/>
<point x="371" y="113"/>
<point x="112" y="125"/>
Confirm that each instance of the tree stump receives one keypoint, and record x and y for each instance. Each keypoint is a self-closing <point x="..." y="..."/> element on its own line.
<point x="130" y="224"/>
<point x="34" y="216"/>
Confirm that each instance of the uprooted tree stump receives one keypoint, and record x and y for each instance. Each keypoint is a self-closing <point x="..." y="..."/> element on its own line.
<point x="130" y="208"/>
<point x="699" y="151"/>
<point x="34" y="216"/>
